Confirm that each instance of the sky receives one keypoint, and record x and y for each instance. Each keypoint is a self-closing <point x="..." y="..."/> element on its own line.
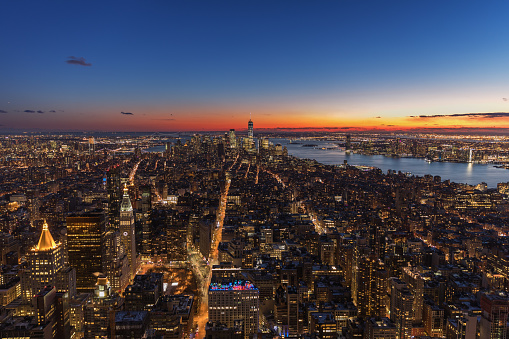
<point x="339" y="65"/>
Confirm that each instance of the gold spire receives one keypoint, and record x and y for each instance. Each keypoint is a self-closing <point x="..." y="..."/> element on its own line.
<point x="126" y="201"/>
<point x="46" y="241"/>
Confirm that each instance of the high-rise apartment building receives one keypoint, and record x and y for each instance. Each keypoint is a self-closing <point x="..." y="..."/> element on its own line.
<point x="401" y="307"/>
<point x="369" y="285"/>
<point x="378" y="328"/>
<point x="233" y="301"/>
<point x="100" y="311"/>
<point x="114" y="189"/>
<point x="415" y="283"/>
<point x="115" y="262"/>
<point x="144" y="219"/>
<point x="176" y="231"/>
<point x="9" y="249"/>
<point x="85" y="235"/>
<point x="495" y="309"/>
<point x="286" y="310"/>
<point x="52" y="312"/>
<point x="432" y="317"/>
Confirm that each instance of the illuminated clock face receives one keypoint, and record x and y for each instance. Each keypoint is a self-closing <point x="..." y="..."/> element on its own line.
<point x="125" y="233"/>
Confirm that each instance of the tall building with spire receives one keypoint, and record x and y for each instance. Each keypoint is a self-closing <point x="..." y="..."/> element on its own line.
<point x="250" y="133"/>
<point x="46" y="260"/>
<point x="127" y="231"/>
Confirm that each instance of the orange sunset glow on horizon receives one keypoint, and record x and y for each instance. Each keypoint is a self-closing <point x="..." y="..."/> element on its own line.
<point x="267" y="121"/>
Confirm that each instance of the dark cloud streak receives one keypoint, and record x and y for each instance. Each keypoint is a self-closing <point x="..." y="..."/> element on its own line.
<point x="126" y="113"/>
<point x="312" y="128"/>
<point x="468" y="115"/>
<point x="77" y="61"/>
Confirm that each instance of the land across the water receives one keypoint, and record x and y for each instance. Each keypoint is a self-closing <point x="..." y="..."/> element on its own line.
<point x="329" y="153"/>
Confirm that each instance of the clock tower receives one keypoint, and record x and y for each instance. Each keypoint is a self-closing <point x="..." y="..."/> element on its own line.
<point x="127" y="235"/>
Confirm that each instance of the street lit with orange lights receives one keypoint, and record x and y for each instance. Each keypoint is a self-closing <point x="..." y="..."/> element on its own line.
<point x="203" y="269"/>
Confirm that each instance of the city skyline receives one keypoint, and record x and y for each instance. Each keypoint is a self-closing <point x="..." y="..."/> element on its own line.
<point x="333" y="66"/>
<point x="217" y="236"/>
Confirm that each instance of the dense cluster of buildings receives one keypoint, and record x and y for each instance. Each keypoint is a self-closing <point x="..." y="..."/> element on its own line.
<point x="94" y="240"/>
<point x="433" y="147"/>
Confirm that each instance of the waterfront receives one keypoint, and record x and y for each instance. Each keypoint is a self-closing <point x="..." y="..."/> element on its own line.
<point x="458" y="172"/>
<point x="466" y="173"/>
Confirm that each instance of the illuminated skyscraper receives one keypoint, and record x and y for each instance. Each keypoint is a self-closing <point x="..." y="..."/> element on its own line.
<point x="85" y="235"/>
<point x="91" y="145"/>
<point x="250" y="134"/>
<point x="176" y="231"/>
<point x="233" y="302"/>
<point x="46" y="260"/>
<point x="144" y="218"/>
<point x="415" y="283"/>
<point x="127" y="231"/>
<point x="368" y="285"/>
<point x="115" y="262"/>
<point x="113" y="186"/>
<point x="232" y="139"/>
<point x="401" y="307"/>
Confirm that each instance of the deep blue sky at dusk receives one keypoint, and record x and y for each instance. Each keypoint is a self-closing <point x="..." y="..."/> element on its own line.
<point x="175" y="64"/>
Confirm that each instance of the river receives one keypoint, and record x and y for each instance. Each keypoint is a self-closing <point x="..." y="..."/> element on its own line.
<point x="471" y="174"/>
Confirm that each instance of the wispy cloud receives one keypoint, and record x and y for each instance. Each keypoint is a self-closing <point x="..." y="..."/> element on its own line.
<point x="32" y="111"/>
<point x="467" y="115"/>
<point x="126" y="113"/>
<point x="52" y="111"/>
<point x="2" y="111"/>
<point x="310" y="128"/>
<point x="77" y="61"/>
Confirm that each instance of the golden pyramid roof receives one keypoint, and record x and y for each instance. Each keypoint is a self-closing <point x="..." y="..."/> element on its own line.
<point x="46" y="241"/>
